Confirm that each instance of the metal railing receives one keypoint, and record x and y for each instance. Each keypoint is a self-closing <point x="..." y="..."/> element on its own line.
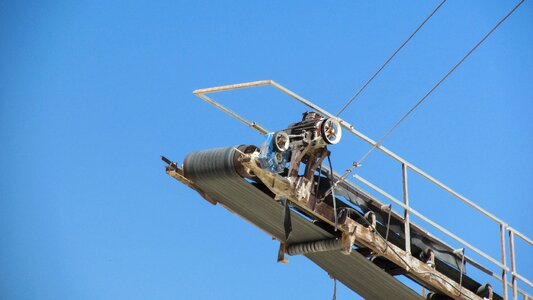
<point x="504" y="227"/>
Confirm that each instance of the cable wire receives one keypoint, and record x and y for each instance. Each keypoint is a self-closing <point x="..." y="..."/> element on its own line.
<point x="388" y="60"/>
<point x="380" y="141"/>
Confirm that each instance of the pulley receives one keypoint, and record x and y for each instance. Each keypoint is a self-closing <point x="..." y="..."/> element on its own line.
<point x="281" y="141"/>
<point x="331" y="131"/>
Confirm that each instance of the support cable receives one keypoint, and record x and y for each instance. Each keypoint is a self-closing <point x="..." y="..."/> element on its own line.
<point x="388" y="60"/>
<point x="380" y="141"/>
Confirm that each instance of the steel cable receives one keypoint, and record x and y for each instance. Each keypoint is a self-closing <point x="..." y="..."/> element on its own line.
<point x="380" y="141"/>
<point x="388" y="60"/>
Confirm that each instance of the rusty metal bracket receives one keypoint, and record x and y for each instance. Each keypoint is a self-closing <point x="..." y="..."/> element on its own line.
<point x="281" y="253"/>
<point x="177" y="173"/>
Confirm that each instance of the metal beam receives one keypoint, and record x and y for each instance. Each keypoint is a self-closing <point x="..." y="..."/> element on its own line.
<point x="505" y="269"/>
<point x="406" y="221"/>
<point x="513" y="269"/>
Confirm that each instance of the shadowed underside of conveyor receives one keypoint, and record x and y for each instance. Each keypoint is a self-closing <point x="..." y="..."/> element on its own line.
<point x="213" y="172"/>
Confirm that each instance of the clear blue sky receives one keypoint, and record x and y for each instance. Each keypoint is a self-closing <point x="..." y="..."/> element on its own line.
<point x="92" y="92"/>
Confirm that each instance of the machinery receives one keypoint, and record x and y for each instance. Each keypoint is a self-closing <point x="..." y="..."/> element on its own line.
<point x="283" y="188"/>
<point x="284" y="152"/>
<point x="305" y="143"/>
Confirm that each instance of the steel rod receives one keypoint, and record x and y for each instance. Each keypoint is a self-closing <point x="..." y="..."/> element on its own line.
<point x="522" y="278"/>
<point x="513" y="269"/>
<point x="255" y="125"/>
<point x="232" y="87"/>
<point x="520" y="235"/>
<point x="504" y="270"/>
<point x="407" y="229"/>
<point x="432" y="223"/>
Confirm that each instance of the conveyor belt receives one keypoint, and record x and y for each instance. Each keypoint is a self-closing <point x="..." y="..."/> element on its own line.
<point x="213" y="172"/>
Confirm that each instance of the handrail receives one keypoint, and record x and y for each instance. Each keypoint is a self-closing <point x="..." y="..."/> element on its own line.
<point x="504" y="226"/>
<point x="523" y="237"/>
<point x="430" y="222"/>
<point x="448" y="233"/>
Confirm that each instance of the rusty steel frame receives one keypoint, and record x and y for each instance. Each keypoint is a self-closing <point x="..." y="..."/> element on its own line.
<point x="201" y="93"/>
<point x="362" y="235"/>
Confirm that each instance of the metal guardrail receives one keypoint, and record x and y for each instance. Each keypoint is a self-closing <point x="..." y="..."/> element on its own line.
<point x="504" y="227"/>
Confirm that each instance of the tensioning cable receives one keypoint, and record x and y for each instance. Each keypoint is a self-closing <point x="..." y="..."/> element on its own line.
<point x="380" y="141"/>
<point x="388" y="60"/>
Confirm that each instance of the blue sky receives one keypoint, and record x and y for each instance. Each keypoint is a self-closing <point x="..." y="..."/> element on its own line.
<point x="92" y="92"/>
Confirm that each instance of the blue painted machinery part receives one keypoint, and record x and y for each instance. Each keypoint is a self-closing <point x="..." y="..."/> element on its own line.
<point x="270" y="156"/>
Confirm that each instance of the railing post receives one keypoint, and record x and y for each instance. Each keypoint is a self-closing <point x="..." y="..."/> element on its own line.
<point x="407" y="228"/>
<point x="504" y="271"/>
<point x="513" y="266"/>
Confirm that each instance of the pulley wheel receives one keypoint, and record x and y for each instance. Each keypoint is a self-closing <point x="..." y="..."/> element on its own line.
<point x="281" y="141"/>
<point x="331" y="131"/>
